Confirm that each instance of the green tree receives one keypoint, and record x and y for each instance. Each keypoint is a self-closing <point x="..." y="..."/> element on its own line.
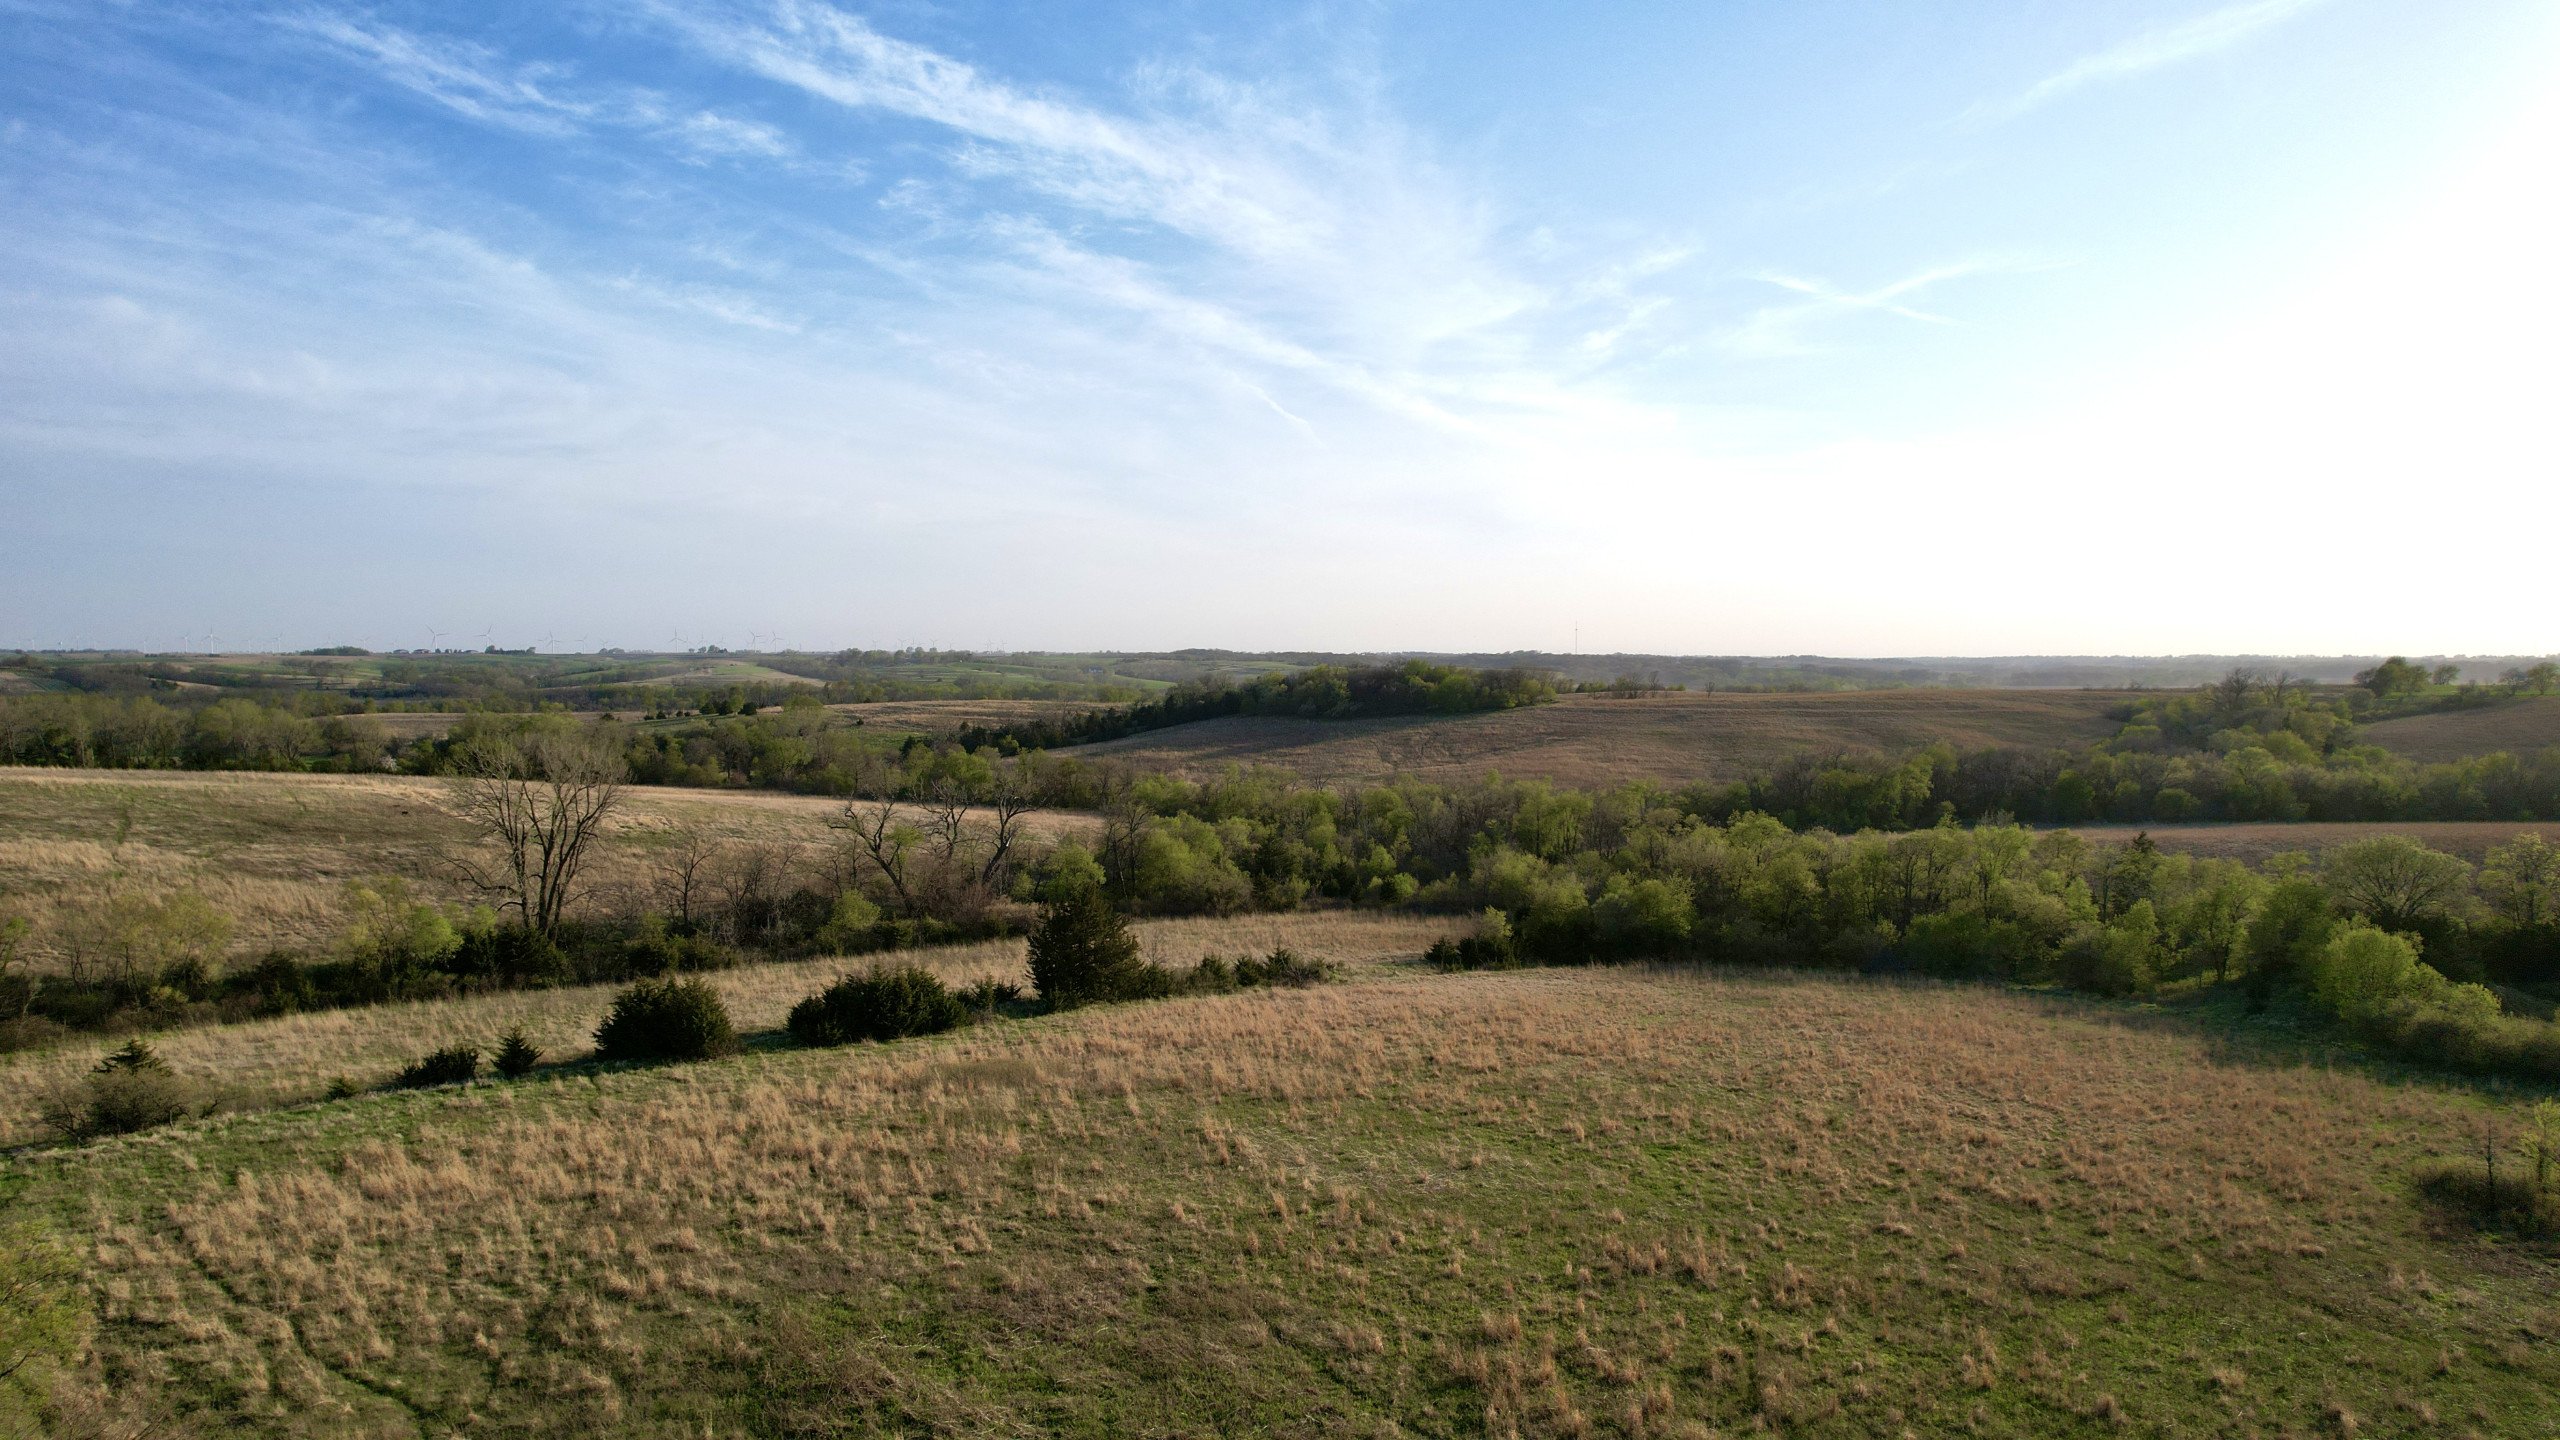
<point x="1082" y="951"/>
<point x="2396" y="882"/>
<point x="2293" y="922"/>
<point x="2363" y="971"/>
<point x="2521" y="881"/>
<point x="2395" y="676"/>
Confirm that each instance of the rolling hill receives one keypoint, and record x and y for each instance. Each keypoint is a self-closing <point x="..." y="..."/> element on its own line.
<point x="1599" y="740"/>
<point x="2519" y="726"/>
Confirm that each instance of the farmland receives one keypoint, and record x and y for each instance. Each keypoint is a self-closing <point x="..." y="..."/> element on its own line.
<point x="2519" y="726"/>
<point x="1667" y="738"/>
<point x="1614" y="1202"/>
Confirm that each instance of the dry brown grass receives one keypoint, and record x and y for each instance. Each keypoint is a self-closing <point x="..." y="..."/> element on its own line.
<point x="2255" y="842"/>
<point x="275" y="851"/>
<point x="1540" y="1203"/>
<point x="292" y="1058"/>
<point x="2521" y="727"/>
<point x="1596" y="741"/>
<point x="942" y="717"/>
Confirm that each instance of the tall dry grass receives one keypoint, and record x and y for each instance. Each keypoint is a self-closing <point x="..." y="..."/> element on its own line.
<point x="262" y="1063"/>
<point x="275" y="852"/>
<point x="1536" y="1203"/>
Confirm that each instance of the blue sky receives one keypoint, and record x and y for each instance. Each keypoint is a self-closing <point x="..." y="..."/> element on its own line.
<point x="1867" y="329"/>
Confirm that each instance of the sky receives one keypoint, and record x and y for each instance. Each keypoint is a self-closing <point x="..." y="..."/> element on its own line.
<point x="2013" y="327"/>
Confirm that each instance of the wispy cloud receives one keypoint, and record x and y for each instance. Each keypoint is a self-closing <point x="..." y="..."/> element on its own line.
<point x="2191" y="39"/>
<point x="468" y="79"/>
<point x="1779" y="329"/>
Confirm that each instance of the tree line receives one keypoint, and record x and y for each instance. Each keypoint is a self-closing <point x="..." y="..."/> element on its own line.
<point x="1320" y="692"/>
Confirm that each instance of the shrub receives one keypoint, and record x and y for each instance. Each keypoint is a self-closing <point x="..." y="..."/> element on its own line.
<point x="132" y="1089"/>
<point x="849" y="925"/>
<point x="453" y="1065"/>
<point x="516" y="1055"/>
<point x="883" y="1005"/>
<point x="987" y="997"/>
<point x="1490" y="948"/>
<point x="1282" y="967"/>
<point x="666" y="1020"/>
<point x="1082" y="952"/>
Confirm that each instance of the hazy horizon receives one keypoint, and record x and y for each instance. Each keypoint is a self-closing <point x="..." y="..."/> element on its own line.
<point x="2165" y="327"/>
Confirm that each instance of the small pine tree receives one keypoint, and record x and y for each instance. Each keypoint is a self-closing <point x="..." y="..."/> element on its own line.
<point x="136" y="1056"/>
<point x="1082" y="951"/>
<point x="516" y="1055"/>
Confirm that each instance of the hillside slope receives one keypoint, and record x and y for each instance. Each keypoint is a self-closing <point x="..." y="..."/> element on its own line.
<point x="1597" y="740"/>
<point x="2520" y="726"/>
<point x="1612" y="1202"/>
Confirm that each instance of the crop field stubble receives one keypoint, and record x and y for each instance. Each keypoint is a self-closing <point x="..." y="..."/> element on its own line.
<point x="1591" y="740"/>
<point x="2520" y="727"/>
<point x="1610" y="1202"/>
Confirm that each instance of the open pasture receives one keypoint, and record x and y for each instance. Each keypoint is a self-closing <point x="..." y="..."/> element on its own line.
<point x="258" y="1064"/>
<point x="274" y="851"/>
<point x="1590" y="1203"/>
<point x="1671" y="737"/>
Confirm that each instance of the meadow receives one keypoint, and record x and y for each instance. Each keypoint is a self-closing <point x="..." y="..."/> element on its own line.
<point x="275" y="851"/>
<point x="292" y="1059"/>
<point x="1614" y="1202"/>
<point x="1668" y="737"/>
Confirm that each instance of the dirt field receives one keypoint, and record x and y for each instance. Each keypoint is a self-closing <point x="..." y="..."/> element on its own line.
<point x="1594" y="740"/>
<point x="2518" y="726"/>
<point x="2468" y="838"/>
<point x="275" y="851"/>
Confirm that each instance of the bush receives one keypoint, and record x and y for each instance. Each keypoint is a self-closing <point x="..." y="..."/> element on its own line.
<point x="883" y="1005"/>
<point x="453" y="1065"/>
<point x="987" y="997"/>
<point x="1282" y="967"/>
<point x="516" y="1055"/>
<point x="1082" y="953"/>
<point x="132" y="1089"/>
<point x="1490" y="948"/>
<point x="666" y="1020"/>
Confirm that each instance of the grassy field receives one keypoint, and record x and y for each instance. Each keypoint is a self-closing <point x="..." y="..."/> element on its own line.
<point x="2520" y="726"/>
<point x="260" y="1064"/>
<point x="1614" y="1202"/>
<point x="1594" y="740"/>
<point x="274" y="851"/>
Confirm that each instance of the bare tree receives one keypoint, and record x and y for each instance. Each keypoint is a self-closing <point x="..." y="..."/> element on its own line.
<point x="885" y="839"/>
<point x="538" y="801"/>
<point x="684" y="871"/>
<point x="1011" y="797"/>
<point x="755" y="883"/>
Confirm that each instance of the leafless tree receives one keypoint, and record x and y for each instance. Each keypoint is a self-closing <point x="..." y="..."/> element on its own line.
<point x="755" y="882"/>
<point x="884" y="838"/>
<point x="684" y="871"/>
<point x="1012" y="796"/>
<point x="537" y="802"/>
